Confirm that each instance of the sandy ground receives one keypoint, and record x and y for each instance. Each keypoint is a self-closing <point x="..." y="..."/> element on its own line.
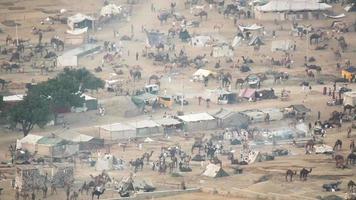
<point x="228" y="188"/>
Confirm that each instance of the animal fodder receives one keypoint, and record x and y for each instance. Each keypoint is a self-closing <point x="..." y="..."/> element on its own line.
<point x="10" y="23"/>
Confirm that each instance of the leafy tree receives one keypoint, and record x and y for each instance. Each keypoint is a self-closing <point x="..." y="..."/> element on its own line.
<point x="87" y="80"/>
<point x="33" y="110"/>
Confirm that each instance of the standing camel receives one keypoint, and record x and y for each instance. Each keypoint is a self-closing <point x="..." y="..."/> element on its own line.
<point x="202" y="14"/>
<point x="338" y="145"/>
<point x="309" y="146"/>
<point x="304" y="174"/>
<point x="97" y="193"/>
<point x="340" y="161"/>
<point x="290" y="174"/>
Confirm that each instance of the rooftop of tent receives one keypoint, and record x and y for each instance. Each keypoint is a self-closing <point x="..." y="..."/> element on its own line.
<point x="31" y="139"/>
<point x="144" y="124"/>
<point x="74" y="136"/>
<point x="167" y="121"/>
<point x="196" y="117"/>
<point x="116" y="127"/>
<point x="51" y="141"/>
<point x="293" y="5"/>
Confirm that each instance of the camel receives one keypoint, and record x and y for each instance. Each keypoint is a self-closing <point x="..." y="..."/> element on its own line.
<point x="230" y="9"/>
<point x="342" y="43"/>
<point x="348" y="107"/>
<point x="217" y="27"/>
<point x="197" y="144"/>
<point x="290" y="174"/>
<point x="316" y="37"/>
<point x="163" y="17"/>
<point x="351" y="159"/>
<point x="316" y="67"/>
<point x="304" y="174"/>
<point x="56" y="43"/>
<point x="338" y="145"/>
<point x="135" y="74"/>
<point x="138" y="163"/>
<point x="147" y="156"/>
<point x="339" y="161"/>
<point x="201" y="14"/>
<point x="97" y="193"/>
<point x="350" y="185"/>
<point x="337" y="54"/>
<point x="310" y="73"/>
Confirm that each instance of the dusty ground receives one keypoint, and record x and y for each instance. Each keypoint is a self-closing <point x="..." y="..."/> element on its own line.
<point x="323" y="166"/>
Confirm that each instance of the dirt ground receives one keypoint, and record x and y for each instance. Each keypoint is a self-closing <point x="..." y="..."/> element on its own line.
<point x="242" y="186"/>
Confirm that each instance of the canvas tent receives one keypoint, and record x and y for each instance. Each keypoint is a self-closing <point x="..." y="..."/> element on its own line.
<point x="214" y="171"/>
<point x="230" y="119"/>
<point x="255" y="40"/>
<point x="253" y="27"/>
<point x="76" y="37"/>
<point x="104" y="163"/>
<point x="247" y="93"/>
<point x="220" y="96"/>
<point x="56" y="147"/>
<point x="169" y="124"/>
<point x="201" y="73"/>
<point x="116" y="131"/>
<point x="198" y="121"/>
<point x="110" y="10"/>
<point x="29" y="142"/>
<point x="85" y="142"/>
<point x="291" y="9"/>
<point x="90" y="103"/>
<point x="254" y="115"/>
<point x="146" y="128"/>
<point x="281" y="45"/>
<point x="80" y="21"/>
<point x="222" y="50"/>
<point x="70" y="58"/>
<point x="349" y="98"/>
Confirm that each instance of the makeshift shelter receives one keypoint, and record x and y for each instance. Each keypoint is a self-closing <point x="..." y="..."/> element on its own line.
<point x="29" y="142"/>
<point x="170" y="125"/>
<point x="281" y="45"/>
<point x="199" y="121"/>
<point x="200" y="41"/>
<point x="348" y="73"/>
<point x="265" y="94"/>
<point x="155" y="39"/>
<point x="70" y="58"/>
<point x="220" y="96"/>
<point x="230" y="119"/>
<point x="275" y="114"/>
<point x="144" y="99"/>
<point x="110" y="10"/>
<point x="55" y="147"/>
<point x="223" y="50"/>
<point x="214" y="171"/>
<point x="116" y="131"/>
<point x="253" y="27"/>
<point x="349" y="98"/>
<point x="184" y="35"/>
<point x="201" y="73"/>
<point x="146" y="128"/>
<point x="85" y="142"/>
<point x="80" y="21"/>
<point x="291" y="10"/>
<point x="11" y="100"/>
<point x="254" y="115"/>
<point x="297" y="110"/>
<point x="90" y="103"/>
<point x="104" y="163"/>
<point x="247" y="93"/>
<point x="236" y="41"/>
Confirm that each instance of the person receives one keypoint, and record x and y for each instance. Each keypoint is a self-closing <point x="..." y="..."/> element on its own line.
<point x="182" y="184"/>
<point x="199" y="100"/>
<point x="17" y="194"/>
<point x="33" y="196"/>
<point x="207" y="103"/>
<point x="352" y="145"/>
<point x="319" y="115"/>
<point x="136" y="56"/>
<point x="349" y="132"/>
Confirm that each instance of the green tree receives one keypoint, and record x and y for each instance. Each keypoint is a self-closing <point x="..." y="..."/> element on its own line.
<point x="33" y="110"/>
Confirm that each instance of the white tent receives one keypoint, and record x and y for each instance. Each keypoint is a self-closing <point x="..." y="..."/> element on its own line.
<point x="148" y="140"/>
<point x="200" y="41"/>
<point x="74" y="20"/>
<point x="323" y="149"/>
<point x="104" y="163"/>
<point x="116" y="131"/>
<point x="281" y="45"/>
<point x="293" y="5"/>
<point x="13" y="98"/>
<point x="201" y="73"/>
<point x="236" y="41"/>
<point x="253" y="27"/>
<point x="110" y="9"/>
<point x="29" y="142"/>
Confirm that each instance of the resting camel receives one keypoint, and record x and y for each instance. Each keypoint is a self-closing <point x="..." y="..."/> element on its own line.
<point x="201" y="14"/>
<point x="304" y="174"/>
<point x="290" y="174"/>
<point x="339" y="161"/>
<point x="351" y="185"/>
<point x="351" y="159"/>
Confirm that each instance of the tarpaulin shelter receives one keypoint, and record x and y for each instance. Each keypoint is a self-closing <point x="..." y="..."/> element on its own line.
<point x="70" y="58"/>
<point x="116" y="131"/>
<point x="214" y="171"/>
<point x="255" y="40"/>
<point x="184" y="35"/>
<point x="348" y="73"/>
<point x="223" y="50"/>
<point x="291" y="9"/>
<point x="168" y="124"/>
<point x="254" y="115"/>
<point x="144" y="99"/>
<point x="80" y="21"/>
<point x="198" y="121"/>
<point x="253" y="27"/>
<point x="230" y="119"/>
<point x="56" y="147"/>
<point x="155" y="39"/>
<point x="220" y="96"/>
<point x="247" y="93"/>
<point x="85" y="142"/>
<point x="90" y="103"/>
